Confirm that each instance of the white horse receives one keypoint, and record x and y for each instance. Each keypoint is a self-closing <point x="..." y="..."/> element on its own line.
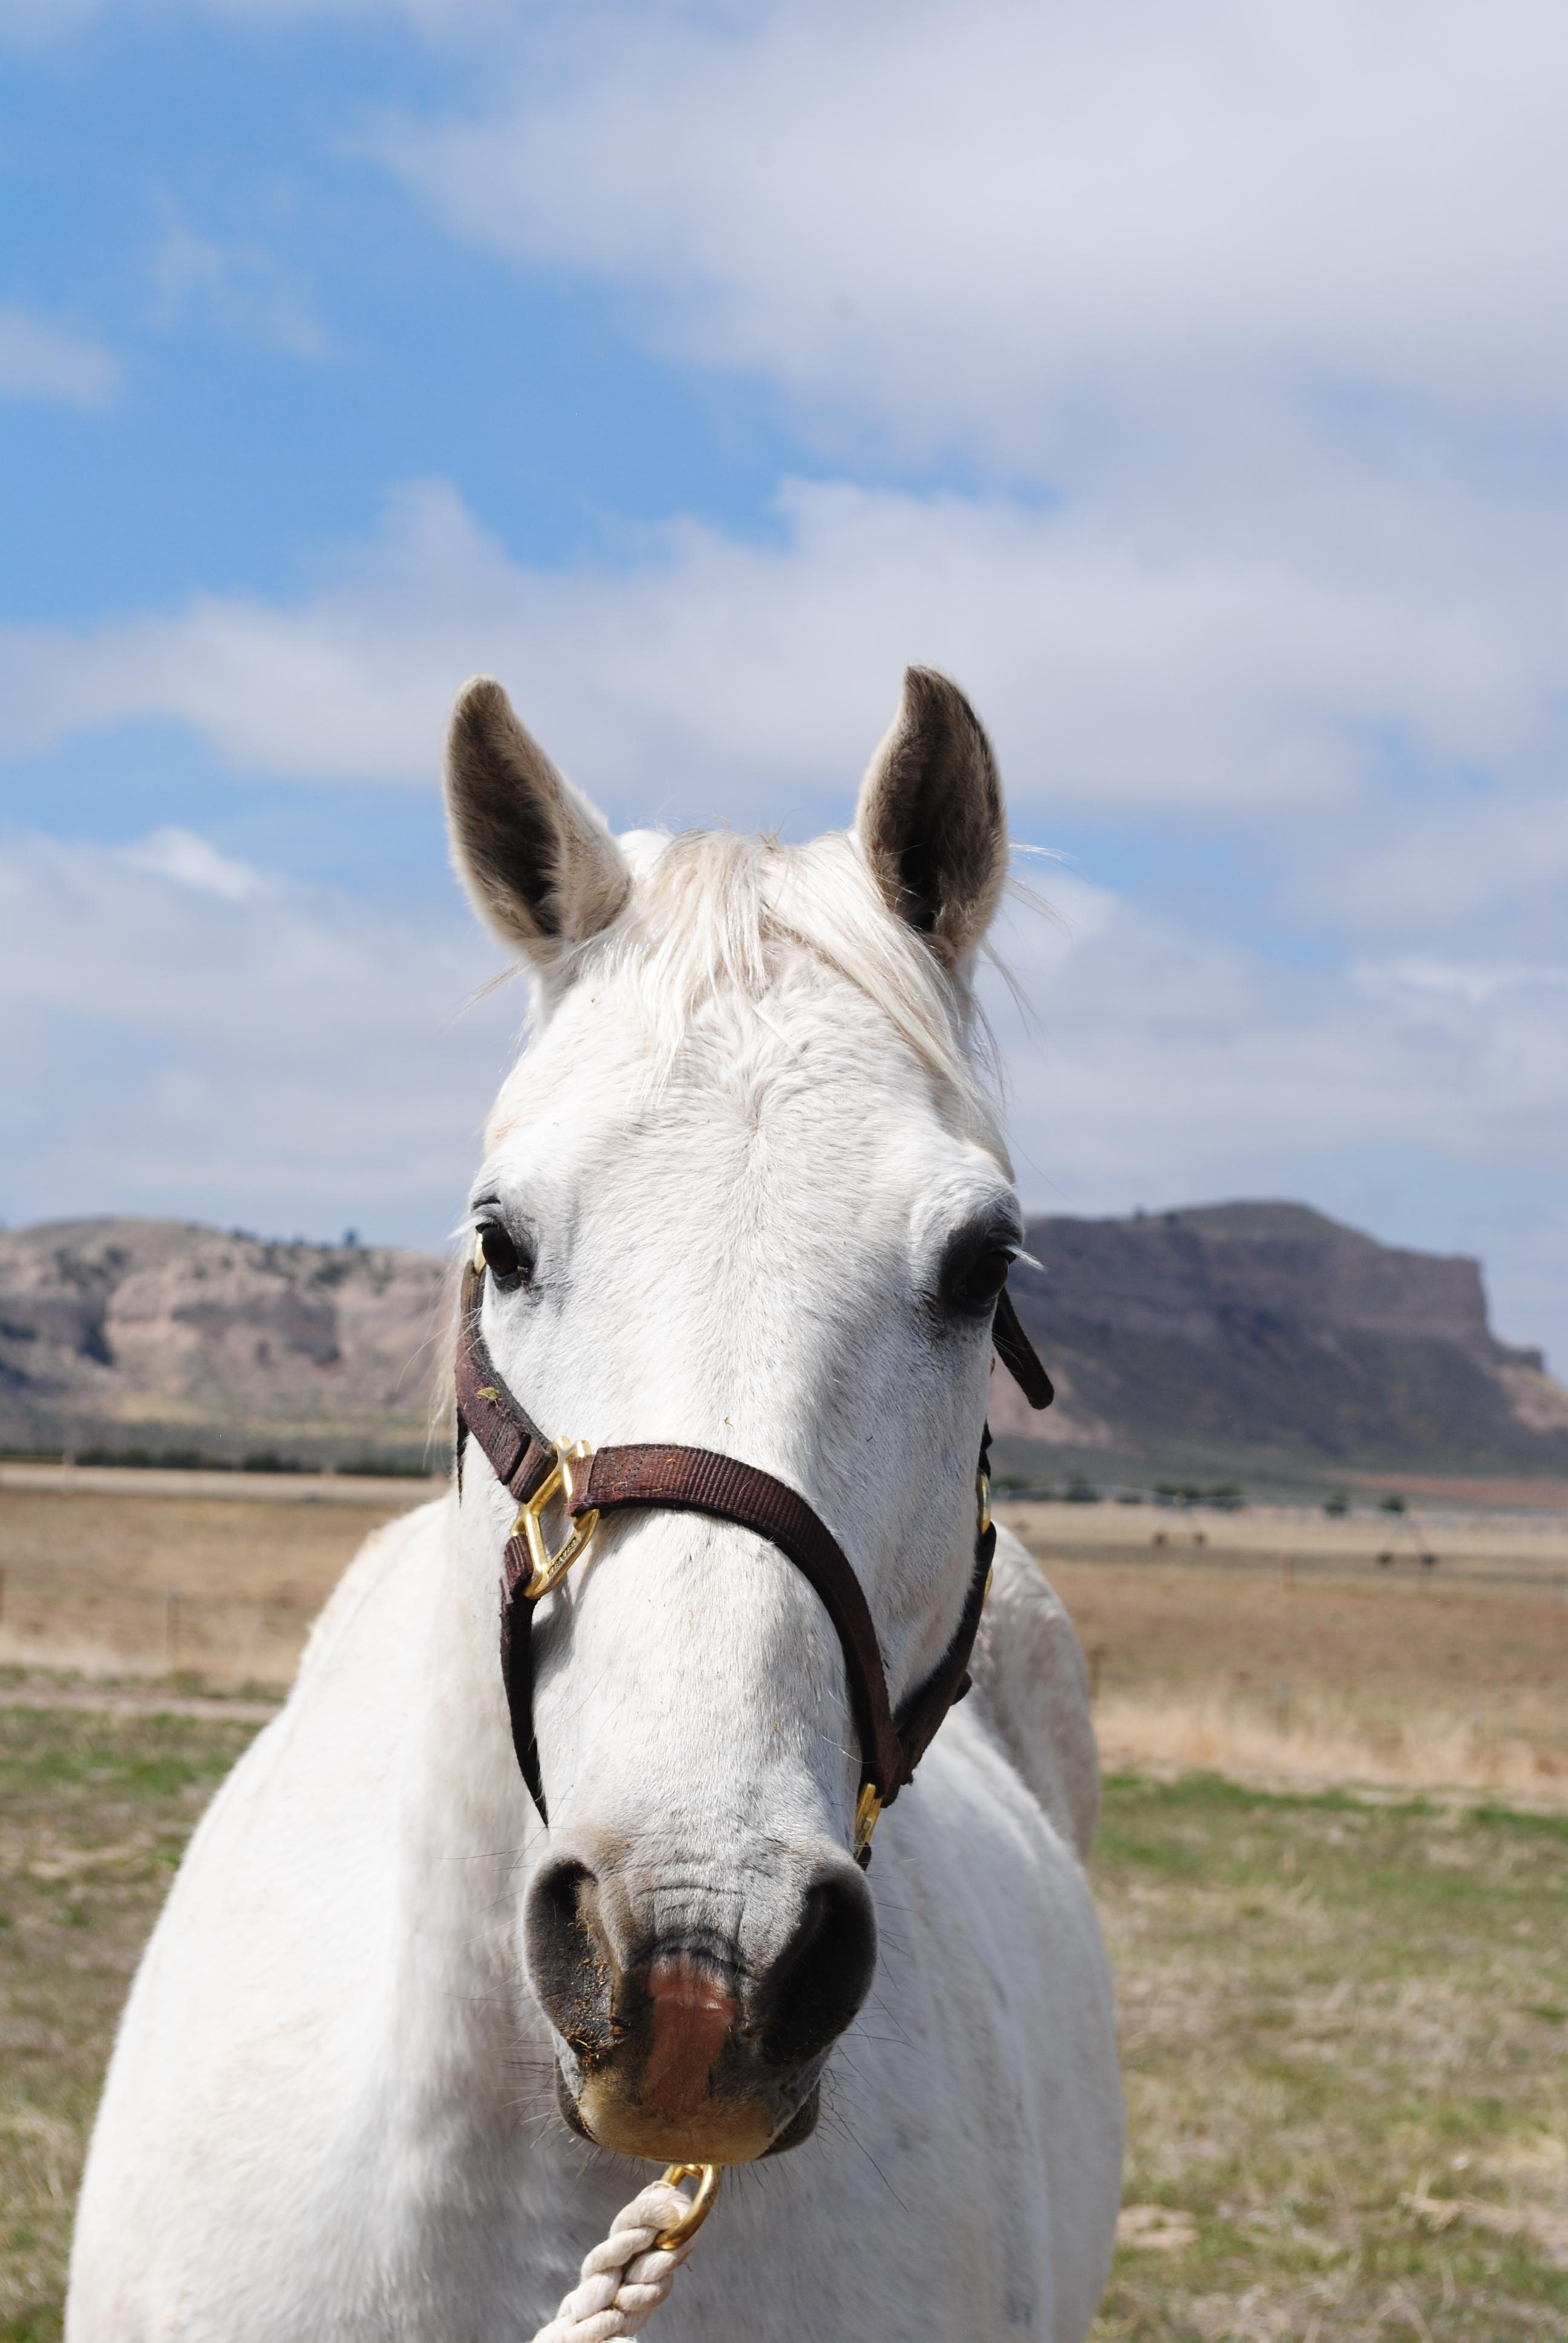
<point x="743" y="1190"/>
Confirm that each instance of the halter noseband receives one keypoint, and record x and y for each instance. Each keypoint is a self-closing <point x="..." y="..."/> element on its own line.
<point x="590" y="1483"/>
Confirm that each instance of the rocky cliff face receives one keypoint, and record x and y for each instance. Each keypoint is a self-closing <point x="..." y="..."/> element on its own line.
<point x="1267" y="1326"/>
<point x="1233" y="1327"/>
<point x="125" y="1330"/>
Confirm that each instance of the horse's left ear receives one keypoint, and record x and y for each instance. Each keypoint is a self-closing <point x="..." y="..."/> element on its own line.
<point x="538" y="861"/>
<point x="931" y="818"/>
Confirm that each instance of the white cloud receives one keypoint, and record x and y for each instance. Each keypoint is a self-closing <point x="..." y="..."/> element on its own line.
<point x="1115" y="680"/>
<point x="1467" y="985"/>
<point x="181" y="1035"/>
<point x="1409" y="1095"/>
<point x="980" y="221"/>
<point x="42" y="358"/>
<point x="191" y="862"/>
<point x="239" y="290"/>
<point x="1161" y="1053"/>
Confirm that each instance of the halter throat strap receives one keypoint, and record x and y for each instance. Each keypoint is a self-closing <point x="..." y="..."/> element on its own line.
<point x="703" y="1481"/>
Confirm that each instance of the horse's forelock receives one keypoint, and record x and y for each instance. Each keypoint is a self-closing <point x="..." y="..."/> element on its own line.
<point x="714" y="914"/>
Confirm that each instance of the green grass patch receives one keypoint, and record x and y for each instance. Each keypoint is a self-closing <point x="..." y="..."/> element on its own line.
<point x="95" y="1813"/>
<point x="1344" y="2071"/>
<point x="1342" y="2029"/>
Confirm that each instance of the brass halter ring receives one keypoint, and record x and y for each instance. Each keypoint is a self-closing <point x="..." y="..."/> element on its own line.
<point x="708" y="2177"/>
<point x="550" y="1569"/>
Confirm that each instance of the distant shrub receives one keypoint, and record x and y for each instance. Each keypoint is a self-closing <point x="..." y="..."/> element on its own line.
<point x="267" y="1459"/>
<point x="382" y="1468"/>
<point x="1337" y="1506"/>
<point x="1082" y="1493"/>
<point x="1390" y="1504"/>
<point x="156" y="1460"/>
<point x="1225" y="1496"/>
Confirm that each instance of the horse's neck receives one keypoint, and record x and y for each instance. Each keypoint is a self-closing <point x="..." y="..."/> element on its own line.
<point x="463" y="1833"/>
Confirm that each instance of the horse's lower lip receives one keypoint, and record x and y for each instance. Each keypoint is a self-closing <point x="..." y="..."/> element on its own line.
<point x="568" y="2108"/>
<point x="716" y="2131"/>
<point x="796" y="2124"/>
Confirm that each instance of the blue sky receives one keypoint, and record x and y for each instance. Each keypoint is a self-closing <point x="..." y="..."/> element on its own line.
<point x="1188" y="379"/>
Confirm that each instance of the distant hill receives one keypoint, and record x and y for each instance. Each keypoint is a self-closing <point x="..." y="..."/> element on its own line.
<point x="1265" y="1328"/>
<point x="1226" y="1332"/>
<point x="163" y="1334"/>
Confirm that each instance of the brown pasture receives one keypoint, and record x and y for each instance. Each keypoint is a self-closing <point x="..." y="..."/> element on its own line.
<point x="1268" y="1643"/>
<point x="110" y="1582"/>
<point x="1280" y="1648"/>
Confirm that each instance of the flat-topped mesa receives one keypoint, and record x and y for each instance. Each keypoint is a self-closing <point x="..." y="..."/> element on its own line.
<point x="1268" y="1326"/>
<point x="1189" y="1267"/>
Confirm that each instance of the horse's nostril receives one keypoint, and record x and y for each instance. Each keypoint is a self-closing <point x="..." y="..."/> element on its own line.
<point x="567" y="1955"/>
<point x="824" y="1972"/>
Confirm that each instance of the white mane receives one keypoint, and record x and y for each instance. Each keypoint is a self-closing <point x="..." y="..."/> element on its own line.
<point x="714" y="917"/>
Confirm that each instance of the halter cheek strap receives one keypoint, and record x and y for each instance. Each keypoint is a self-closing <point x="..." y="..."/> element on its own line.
<point x="589" y="1483"/>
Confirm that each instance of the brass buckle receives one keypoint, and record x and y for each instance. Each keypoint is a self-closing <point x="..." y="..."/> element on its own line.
<point x="866" y="1814"/>
<point x="982" y="1494"/>
<point x="708" y="2177"/>
<point x="550" y="1569"/>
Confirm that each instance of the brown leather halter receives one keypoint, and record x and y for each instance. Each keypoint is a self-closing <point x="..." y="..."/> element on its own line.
<point x="588" y="1483"/>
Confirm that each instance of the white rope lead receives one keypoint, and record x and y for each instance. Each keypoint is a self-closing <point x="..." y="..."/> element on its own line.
<point x="626" y="2278"/>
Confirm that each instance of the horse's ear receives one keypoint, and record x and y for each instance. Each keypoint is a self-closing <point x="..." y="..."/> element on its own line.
<point x="931" y="821"/>
<point x="537" y="858"/>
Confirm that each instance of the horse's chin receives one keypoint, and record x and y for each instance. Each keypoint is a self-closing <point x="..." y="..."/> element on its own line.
<point x="742" y="2134"/>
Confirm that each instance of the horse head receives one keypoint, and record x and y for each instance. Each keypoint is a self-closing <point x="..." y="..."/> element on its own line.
<point x="743" y="1192"/>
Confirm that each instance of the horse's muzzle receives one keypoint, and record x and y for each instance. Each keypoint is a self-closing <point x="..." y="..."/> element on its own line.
<point x="674" y="2048"/>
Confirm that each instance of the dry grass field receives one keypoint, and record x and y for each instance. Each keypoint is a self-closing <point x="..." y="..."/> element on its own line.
<point x="1280" y="1649"/>
<point x="119" y="1576"/>
<point x="1277" y="1648"/>
<point x="1344" y="2009"/>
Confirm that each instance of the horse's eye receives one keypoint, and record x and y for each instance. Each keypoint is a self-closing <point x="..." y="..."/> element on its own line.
<point x="975" y="1277"/>
<point x="504" y="1259"/>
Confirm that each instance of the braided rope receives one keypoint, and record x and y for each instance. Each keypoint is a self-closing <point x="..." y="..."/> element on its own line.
<point x="625" y="2277"/>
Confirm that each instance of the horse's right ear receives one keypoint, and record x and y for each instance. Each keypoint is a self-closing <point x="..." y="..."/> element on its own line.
<point x="539" y="864"/>
<point x="930" y="820"/>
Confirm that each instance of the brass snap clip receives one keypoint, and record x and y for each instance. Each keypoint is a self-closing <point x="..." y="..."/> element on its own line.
<point x="708" y="2177"/>
<point x="866" y="1813"/>
<point x="550" y="1569"/>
